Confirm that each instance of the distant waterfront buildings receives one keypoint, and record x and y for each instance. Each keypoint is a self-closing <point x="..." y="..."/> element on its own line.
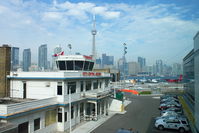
<point x="159" y="67"/>
<point x="133" y="68"/>
<point x="14" y="58"/>
<point x="177" y="69"/>
<point x="26" y="59"/>
<point x="142" y="63"/>
<point x="42" y="57"/>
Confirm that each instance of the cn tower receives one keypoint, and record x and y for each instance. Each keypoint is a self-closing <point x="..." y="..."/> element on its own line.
<point x="94" y="32"/>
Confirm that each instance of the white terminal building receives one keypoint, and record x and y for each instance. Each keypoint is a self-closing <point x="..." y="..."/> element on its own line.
<point x="45" y="102"/>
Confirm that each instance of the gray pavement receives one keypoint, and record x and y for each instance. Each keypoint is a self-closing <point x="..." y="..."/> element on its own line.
<point x="139" y="116"/>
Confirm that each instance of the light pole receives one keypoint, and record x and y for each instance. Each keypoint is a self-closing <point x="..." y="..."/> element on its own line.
<point x="70" y="127"/>
<point x="124" y="59"/>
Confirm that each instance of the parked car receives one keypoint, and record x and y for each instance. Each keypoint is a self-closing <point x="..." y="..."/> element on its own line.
<point x="167" y="113"/>
<point x="170" y="105"/>
<point x="169" y="100"/>
<point x="180" y="124"/>
<point x="169" y="96"/>
<point x="177" y="110"/>
<point x="171" y="116"/>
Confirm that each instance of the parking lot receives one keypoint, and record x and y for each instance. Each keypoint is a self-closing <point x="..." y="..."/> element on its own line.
<point x="139" y="116"/>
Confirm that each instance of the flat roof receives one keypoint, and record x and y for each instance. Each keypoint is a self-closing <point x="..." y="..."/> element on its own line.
<point x="7" y="100"/>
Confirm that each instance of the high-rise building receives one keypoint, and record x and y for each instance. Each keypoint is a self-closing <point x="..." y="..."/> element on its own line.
<point x="142" y="63"/>
<point x="5" y="52"/>
<point x="133" y="68"/>
<point x="26" y="59"/>
<point x="42" y="57"/>
<point x="177" y="69"/>
<point x="14" y="58"/>
<point x="107" y="60"/>
<point x="159" y="67"/>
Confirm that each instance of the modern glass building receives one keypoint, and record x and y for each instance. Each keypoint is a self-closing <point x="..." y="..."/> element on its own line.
<point x="188" y="73"/>
<point x="191" y="79"/>
<point x="26" y="59"/>
<point x="196" y="69"/>
<point x="14" y="58"/>
<point x="42" y="57"/>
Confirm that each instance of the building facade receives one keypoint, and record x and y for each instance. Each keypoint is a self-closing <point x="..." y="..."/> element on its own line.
<point x="42" y="57"/>
<point x="5" y="59"/>
<point x="58" y="100"/>
<point x="26" y="59"/>
<point x="142" y="63"/>
<point x="159" y="67"/>
<point x="188" y="73"/>
<point x="191" y="79"/>
<point x="196" y="69"/>
<point x="14" y="58"/>
<point x="133" y="68"/>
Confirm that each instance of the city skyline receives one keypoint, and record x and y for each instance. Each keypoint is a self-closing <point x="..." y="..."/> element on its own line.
<point x="151" y="29"/>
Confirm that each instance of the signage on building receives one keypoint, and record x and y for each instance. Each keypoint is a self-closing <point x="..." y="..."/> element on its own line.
<point x="91" y="74"/>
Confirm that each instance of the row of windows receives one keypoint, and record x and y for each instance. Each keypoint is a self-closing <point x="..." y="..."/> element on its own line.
<point x="72" y="86"/>
<point x="75" y="65"/>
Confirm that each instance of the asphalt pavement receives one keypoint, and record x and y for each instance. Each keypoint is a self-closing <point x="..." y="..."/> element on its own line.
<point x="139" y="116"/>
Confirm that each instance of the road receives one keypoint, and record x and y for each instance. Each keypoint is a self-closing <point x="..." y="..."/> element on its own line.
<point x="139" y="116"/>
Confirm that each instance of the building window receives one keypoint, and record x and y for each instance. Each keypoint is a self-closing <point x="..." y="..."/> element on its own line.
<point x="36" y="124"/>
<point x="100" y="84"/>
<point x="79" y="65"/>
<point x="95" y="84"/>
<point x="106" y="83"/>
<point x="91" y="66"/>
<point x="77" y="110"/>
<point x="59" y="88"/>
<point x="59" y="114"/>
<point x="72" y="87"/>
<point x="82" y="86"/>
<point x="62" y="65"/>
<point x="72" y="112"/>
<point x="65" y="116"/>
<point x="70" y="65"/>
<point x="86" y="65"/>
<point x="88" y="85"/>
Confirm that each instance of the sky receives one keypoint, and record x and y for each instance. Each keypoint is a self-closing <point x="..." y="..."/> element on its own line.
<point x="153" y="29"/>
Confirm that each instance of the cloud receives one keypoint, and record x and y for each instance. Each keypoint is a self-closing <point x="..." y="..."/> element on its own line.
<point x="153" y="31"/>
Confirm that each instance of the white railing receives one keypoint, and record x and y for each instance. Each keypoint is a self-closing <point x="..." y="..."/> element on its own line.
<point x="25" y="106"/>
<point x="97" y="93"/>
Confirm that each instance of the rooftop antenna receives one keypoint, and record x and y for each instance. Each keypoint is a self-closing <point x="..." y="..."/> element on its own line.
<point x="70" y="47"/>
<point x="94" y="32"/>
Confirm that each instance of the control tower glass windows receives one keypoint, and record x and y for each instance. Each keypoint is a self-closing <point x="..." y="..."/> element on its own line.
<point x="91" y="66"/>
<point x="78" y="65"/>
<point x="75" y="65"/>
<point x="86" y="65"/>
<point x="70" y="65"/>
<point x="62" y="65"/>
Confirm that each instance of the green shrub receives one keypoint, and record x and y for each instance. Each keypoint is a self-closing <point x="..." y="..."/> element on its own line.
<point x="145" y="92"/>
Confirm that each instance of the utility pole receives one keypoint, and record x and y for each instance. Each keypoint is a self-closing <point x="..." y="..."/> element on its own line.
<point x="124" y="60"/>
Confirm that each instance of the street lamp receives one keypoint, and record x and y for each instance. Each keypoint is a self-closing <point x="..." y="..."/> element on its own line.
<point x="124" y="59"/>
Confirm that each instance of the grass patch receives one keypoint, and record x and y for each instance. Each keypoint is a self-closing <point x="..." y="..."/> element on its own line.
<point x="145" y="93"/>
<point x="187" y="110"/>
